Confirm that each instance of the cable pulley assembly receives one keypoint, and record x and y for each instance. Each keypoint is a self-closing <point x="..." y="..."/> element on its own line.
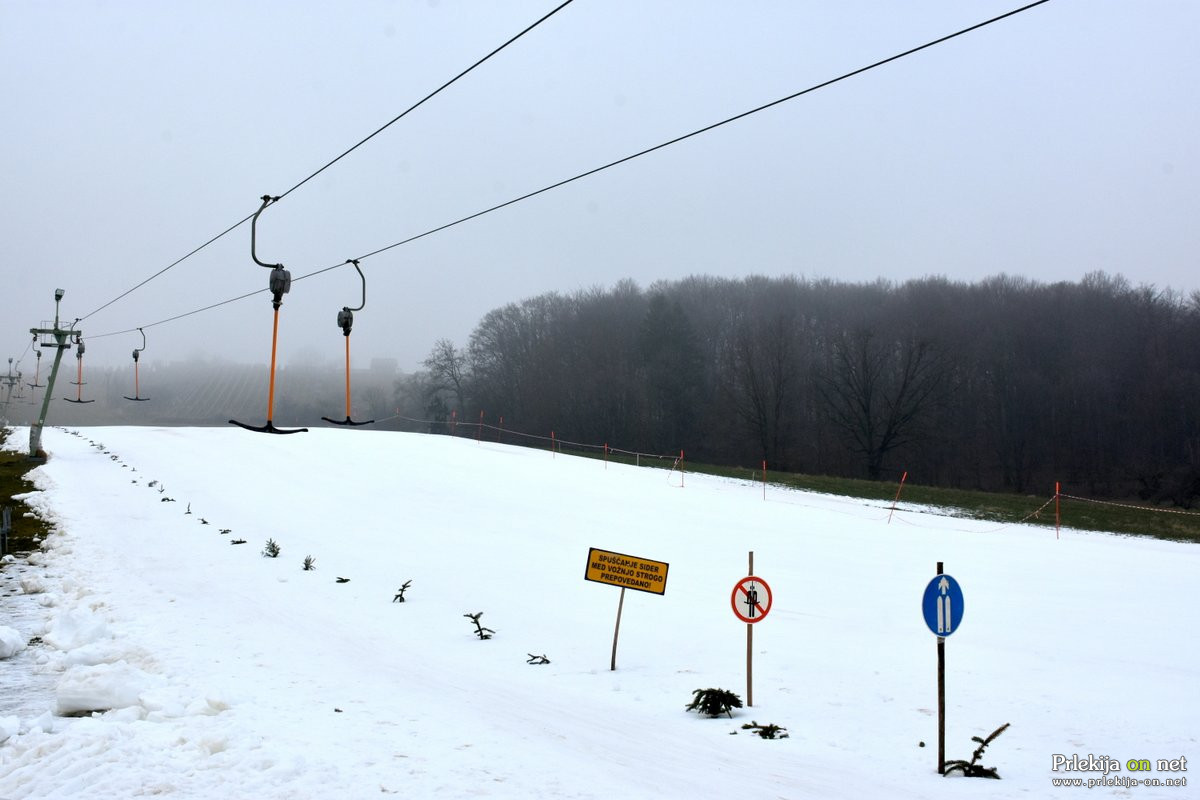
<point x="137" y="352"/>
<point x="280" y="283"/>
<point x="345" y="321"/>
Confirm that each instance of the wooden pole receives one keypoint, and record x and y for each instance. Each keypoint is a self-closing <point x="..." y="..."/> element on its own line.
<point x="1057" y="517"/>
<point x="750" y="652"/>
<point x="479" y="433"/>
<point x="941" y="691"/>
<point x="764" y="483"/>
<point x="897" y="500"/>
<point x="617" y="630"/>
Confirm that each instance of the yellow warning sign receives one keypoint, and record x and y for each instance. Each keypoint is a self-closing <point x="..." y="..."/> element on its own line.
<point x="629" y="572"/>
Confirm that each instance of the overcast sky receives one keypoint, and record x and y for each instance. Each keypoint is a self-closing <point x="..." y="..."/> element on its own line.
<point x="1057" y="142"/>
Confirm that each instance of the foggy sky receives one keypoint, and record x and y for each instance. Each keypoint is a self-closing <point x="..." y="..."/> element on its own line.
<point x="1055" y="143"/>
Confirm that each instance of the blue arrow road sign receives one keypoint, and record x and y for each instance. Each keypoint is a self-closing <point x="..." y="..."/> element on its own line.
<point x="942" y="605"/>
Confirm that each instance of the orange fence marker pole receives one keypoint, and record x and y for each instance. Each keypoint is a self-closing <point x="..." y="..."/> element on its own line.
<point x="897" y="500"/>
<point x="1057" y="516"/>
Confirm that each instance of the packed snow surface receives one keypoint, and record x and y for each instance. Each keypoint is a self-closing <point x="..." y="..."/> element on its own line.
<point x="174" y="662"/>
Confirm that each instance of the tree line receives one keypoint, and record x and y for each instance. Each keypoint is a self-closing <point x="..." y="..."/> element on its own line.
<point x="1007" y="384"/>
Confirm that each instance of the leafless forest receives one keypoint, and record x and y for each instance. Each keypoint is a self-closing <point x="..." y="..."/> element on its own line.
<point x="1007" y="384"/>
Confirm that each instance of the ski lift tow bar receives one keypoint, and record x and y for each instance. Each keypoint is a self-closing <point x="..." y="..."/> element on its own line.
<point x="78" y="382"/>
<point x="345" y="321"/>
<point x="280" y="283"/>
<point x="137" y="352"/>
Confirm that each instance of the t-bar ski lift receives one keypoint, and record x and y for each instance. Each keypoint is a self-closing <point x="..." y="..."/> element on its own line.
<point x="137" y="352"/>
<point x="345" y="321"/>
<point x="78" y="382"/>
<point x="280" y="283"/>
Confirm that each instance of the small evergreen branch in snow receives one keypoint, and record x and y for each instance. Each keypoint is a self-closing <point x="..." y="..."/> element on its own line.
<point x="399" y="598"/>
<point x="270" y="549"/>
<point x="480" y="631"/>
<point x="767" y="731"/>
<point x="238" y="541"/>
<point x="342" y="580"/>
<point x="971" y="769"/>
<point x="714" y="702"/>
<point x="310" y="564"/>
<point x="537" y="659"/>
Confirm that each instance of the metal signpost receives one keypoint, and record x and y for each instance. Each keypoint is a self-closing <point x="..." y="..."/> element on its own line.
<point x="942" y="607"/>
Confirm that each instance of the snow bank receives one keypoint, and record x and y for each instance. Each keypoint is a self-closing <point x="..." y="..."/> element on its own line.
<point x="31" y="584"/>
<point x="9" y="727"/>
<point x="103" y="687"/>
<point x="76" y="628"/>
<point x="11" y="643"/>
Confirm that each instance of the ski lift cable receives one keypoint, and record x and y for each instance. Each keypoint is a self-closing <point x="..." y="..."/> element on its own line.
<point x="345" y="153"/>
<point x="427" y="97"/>
<point x="707" y="128"/>
<point x="623" y="160"/>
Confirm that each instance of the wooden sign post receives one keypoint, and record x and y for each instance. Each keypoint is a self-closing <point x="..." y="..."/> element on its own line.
<point x="628" y="572"/>
<point x="751" y="601"/>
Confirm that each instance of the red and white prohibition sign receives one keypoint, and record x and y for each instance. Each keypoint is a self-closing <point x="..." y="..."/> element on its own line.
<point x="751" y="599"/>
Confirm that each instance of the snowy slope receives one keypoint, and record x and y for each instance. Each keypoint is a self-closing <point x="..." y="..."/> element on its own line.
<point x="233" y="675"/>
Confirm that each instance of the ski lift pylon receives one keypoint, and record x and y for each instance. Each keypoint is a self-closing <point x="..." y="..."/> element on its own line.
<point x="280" y="283"/>
<point x="345" y="321"/>
<point x="137" y="396"/>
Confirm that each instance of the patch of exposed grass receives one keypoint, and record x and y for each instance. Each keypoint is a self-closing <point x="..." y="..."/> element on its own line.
<point x="13" y="468"/>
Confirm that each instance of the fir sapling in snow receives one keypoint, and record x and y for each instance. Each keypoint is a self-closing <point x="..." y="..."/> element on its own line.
<point x="480" y="631"/>
<point x="714" y="702"/>
<point x="768" y="731"/>
<point x="971" y="769"/>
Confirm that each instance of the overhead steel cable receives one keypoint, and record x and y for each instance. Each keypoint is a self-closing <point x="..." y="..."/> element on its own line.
<point x="429" y="96"/>
<point x="347" y="152"/>
<point x="627" y="158"/>
<point x="175" y="263"/>
<point x="697" y="132"/>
